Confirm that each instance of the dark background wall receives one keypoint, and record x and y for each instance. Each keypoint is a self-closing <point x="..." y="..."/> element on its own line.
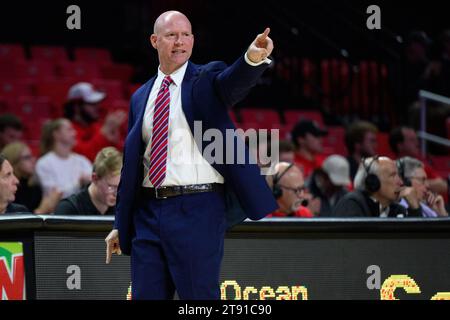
<point x="223" y="29"/>
<point x="317" y="30"/>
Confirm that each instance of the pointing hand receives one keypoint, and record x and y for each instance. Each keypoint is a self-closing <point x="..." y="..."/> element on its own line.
<point x="261" y="47"/>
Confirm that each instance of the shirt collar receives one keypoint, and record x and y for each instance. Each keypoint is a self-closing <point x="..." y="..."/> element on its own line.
<point x="384" y="212"/>
<point x="177" y="76"/>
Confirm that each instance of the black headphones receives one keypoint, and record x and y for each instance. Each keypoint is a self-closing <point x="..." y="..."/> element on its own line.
<point x="276" y="189"/>
<point x="371" y="182"/>
<point x="401" y="172"/>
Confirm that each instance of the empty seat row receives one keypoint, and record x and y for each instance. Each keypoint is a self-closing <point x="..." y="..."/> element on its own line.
<point x="268" y="117"/>
<point x="47" y="70"/>
<point x="54" y="53"/>
<point x="56" y="90"/>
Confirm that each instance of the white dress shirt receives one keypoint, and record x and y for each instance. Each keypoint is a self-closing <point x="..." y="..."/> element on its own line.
<point x="185" y="164"/>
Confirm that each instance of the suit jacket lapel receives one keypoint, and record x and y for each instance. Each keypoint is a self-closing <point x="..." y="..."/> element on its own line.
<point x="186" y="95"/>
<point x="140" y="111"/>
<point x="143" y="101"/>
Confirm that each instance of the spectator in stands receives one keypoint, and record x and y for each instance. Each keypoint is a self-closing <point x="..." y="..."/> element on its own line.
<point x="438" y="72"/>
<point x="330" y="183"/>
<point x="413" y="77"/>
<point x="307" y="139"/>
<point x="289" y="190"/>
<point x="11" y="129"/>
<point x="8" y="188"/>
<point x="404" y="143"/>
<point x="361" y="142"/>
<point x="412" y="173"/>
<point x="287" y="151"/>
<point x="29" y="191"/>
<point x="59" y="167"/>
<point x="99" y="198"/>
<point x="378" y="188"/>
<point x="83" y="109"/>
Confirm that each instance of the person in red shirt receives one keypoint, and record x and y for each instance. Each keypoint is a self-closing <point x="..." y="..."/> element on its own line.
<point x="288" y="187"/>
<point x="83" y="109"/>
<point x="307" y="138"/>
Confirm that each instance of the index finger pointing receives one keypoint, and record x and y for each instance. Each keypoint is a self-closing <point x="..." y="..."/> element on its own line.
<point x="108" y="253"/>
<point x="264" y="35"/>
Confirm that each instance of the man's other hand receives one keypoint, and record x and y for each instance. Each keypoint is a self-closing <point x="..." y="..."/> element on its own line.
<point x="409" y="194"/>
<point x="261" y="47"/>
<point x="112" y="245"/>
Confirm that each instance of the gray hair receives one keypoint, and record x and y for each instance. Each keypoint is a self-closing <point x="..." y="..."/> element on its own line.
<point x="276" y="169"/>
<point x="409" y="166"/>
<point x="367" y="166"/>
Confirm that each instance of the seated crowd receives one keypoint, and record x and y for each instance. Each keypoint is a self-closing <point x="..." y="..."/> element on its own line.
<point x="306" y="182"/>
<point x="63" y="180"/>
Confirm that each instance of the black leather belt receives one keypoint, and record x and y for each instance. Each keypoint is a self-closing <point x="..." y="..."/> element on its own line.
<point x="173" y="191"/>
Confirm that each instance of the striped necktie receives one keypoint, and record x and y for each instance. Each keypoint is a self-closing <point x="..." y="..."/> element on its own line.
<point x="160" y="132"/>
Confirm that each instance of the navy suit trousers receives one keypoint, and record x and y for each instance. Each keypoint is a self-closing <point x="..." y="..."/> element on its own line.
<point x="178" y="246"/>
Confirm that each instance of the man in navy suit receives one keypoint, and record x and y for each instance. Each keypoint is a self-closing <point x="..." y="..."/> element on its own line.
<point x="173" y="205"/>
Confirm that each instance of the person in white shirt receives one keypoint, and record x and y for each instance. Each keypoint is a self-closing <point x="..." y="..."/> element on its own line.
<point x="59" y="168"/>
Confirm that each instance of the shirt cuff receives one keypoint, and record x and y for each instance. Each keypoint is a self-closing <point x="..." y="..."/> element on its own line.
<point x="266" y="60"/>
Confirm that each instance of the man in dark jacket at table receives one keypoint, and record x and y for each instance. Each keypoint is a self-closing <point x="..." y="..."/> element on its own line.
<point x="378" y="188"/>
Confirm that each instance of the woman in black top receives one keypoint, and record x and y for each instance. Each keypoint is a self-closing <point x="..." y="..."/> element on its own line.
<point x="29" y="191"/>
<point x="8" y="188"/>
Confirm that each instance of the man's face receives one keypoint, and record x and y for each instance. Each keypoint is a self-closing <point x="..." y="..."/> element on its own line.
<point x="410" y="145"/>
<point x="66" y="134"/>
<point x="90" y="111"/>
<point x="369" y="144"/>
<point x="8" y="183"/>
<point x="9" y="135"/>
<point x="391" y="183"/>
<point x="25" y="166"/>
<point x="419" y="183"/>
<point x="107" y="187"/>
<point x="313" y="143"/>
<point x="174" y="41"/>
<point x="292" y="184"/>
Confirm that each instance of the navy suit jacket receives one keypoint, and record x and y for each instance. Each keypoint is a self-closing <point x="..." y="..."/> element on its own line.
<point x="207" y="92"/>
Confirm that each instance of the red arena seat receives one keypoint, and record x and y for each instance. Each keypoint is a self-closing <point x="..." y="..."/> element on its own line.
<point x="11" y="52"/>
<point x="291" y="117"/>
<point x="262" y="117"/>
<point x="49" y="53"/>
<point x="98" y="55"/>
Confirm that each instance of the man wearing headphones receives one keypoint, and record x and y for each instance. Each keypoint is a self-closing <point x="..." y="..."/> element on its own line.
<point x="378" y="189"/>
<point x="288" y="187"/>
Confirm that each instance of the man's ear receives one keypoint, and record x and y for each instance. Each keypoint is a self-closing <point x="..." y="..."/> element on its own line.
<point x="153" y="39"/>
<point x="95" y="177"/>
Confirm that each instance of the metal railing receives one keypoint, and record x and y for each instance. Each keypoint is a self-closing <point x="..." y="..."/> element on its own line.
<point x="423" y="97"/>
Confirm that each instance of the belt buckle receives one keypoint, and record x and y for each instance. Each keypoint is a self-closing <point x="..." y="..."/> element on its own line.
<point x="157" y="196"/>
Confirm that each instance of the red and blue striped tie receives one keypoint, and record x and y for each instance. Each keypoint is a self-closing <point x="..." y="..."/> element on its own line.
<point x="160" y="133"/>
